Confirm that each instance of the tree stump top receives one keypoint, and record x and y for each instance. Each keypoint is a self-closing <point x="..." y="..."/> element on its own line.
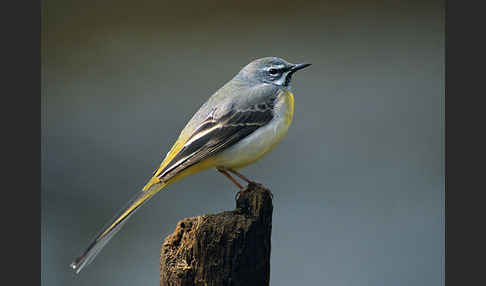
<point x="228" y="248"/>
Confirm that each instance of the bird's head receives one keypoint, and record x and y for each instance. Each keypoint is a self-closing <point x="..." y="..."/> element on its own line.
<point x="271" y="70"/>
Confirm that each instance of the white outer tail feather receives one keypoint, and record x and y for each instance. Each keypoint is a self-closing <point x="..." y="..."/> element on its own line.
<point x="98" y="243"/>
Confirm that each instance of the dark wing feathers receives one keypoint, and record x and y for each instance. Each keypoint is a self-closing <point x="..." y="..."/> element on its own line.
<point x="213" y="136"/>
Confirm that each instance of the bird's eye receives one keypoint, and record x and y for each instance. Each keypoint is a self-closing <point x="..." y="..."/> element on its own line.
<point x="272" y="71"/>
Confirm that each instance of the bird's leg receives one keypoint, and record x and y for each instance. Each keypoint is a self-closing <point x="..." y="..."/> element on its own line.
<point x="240" y="176"/>
<point x="224" y="172"/>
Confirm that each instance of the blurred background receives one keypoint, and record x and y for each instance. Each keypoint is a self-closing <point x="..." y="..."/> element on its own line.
<point x="358" y="182"/>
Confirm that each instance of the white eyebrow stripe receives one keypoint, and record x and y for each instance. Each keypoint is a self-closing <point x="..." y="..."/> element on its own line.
<point x="275" y="67"/>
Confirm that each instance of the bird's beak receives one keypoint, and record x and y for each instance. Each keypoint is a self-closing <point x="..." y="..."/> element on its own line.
<point x="299" y="67"/>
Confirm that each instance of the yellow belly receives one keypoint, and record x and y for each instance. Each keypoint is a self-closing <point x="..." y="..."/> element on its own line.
<point x="263" y="140"/>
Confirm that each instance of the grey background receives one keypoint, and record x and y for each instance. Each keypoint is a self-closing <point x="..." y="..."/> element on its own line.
<point x="358" y="181"/>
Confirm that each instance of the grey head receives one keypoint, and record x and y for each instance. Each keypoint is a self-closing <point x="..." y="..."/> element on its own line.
<point x="270" y="70"/>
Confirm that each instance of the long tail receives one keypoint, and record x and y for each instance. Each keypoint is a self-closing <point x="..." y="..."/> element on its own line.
<point x="114" y="226"/>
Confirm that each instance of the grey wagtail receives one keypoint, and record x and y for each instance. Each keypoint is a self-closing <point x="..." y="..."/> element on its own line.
<point x="238" y="124"/>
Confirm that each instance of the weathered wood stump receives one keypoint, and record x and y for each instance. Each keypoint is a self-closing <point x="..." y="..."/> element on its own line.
<point x="228" y="248"/>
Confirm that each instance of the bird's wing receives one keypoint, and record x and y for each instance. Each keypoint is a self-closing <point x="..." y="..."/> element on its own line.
<point x="218" y="132"/>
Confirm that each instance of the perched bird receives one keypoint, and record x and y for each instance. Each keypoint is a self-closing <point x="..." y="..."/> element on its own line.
<point x="238" y="124"/>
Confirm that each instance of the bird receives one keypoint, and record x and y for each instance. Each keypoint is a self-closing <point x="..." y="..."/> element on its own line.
<point x="239" y="124"/>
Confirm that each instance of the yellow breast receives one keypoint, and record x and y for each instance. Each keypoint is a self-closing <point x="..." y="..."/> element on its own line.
<point x="289" y="98"/>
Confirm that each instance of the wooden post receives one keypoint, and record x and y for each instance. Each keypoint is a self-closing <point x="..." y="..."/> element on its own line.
<point x="228" y="248"/>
